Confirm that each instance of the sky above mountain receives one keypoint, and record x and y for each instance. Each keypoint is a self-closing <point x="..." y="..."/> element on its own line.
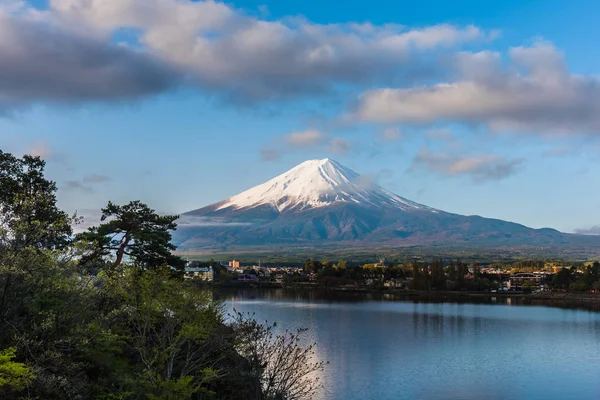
<point x="488" y="108"/>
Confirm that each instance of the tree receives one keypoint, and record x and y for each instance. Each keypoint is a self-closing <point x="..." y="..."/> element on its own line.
<point x="281" y="366"/>
<point x="438" y="277"/>
<point x="140" y="334"/>
<point x="527" y="287"/>
<point x="417" y="281"/>
<point x="394" y="272"/>
<point x="563" y="279"/>
<point x="451" y="271"/>
<point x="460" y="274"/>
<point x="134" y="230"/>
<point x="14" y="376"/>
<point x="176" y="332"/>
<point x="579" y="285"/>
<point x="32" y="227"/>
<point x="476" y="270"/>
<point x="312" y="266"/>
<point x="29" y="216"/>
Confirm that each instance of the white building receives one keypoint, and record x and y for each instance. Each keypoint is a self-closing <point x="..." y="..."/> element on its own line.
<point x="202" y="273"/>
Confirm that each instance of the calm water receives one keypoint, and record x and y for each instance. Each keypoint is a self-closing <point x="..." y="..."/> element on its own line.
<point x="381" y="349"/>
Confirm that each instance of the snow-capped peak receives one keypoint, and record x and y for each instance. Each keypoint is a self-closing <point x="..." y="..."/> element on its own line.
<point x="317" y="183"/>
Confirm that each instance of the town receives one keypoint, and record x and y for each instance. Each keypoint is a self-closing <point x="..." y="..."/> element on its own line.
<point x="437" y="275"/>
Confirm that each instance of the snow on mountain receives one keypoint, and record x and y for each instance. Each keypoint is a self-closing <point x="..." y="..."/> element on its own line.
<point x="318" y="183"/>
<point x="322" y="203"/>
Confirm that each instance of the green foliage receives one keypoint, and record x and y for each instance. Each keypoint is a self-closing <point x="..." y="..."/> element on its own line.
<point x="73" y="328"/>
<point x="136" y="231"/>
<point x="13" y="375"/>
<point x="563" y="279"/>
<point x="579" y="285"/>
<point x="312" y="266"/>
<point x="527" y="287"/>
<point x="28" y="212"/>
<point x="182" y="388"/>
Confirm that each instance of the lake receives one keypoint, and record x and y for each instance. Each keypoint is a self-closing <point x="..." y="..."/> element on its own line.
<point x="382" y="349"/>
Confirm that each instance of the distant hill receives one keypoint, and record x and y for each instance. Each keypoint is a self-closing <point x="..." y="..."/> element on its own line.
<point x="321" y="203"/>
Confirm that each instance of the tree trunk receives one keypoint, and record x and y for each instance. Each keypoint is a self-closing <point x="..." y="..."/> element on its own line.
<point x="121" y="250"/>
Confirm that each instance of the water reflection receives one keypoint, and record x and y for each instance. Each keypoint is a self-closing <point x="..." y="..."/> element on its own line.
<point x="334" y="296"/>
<point x="384" y="349"/>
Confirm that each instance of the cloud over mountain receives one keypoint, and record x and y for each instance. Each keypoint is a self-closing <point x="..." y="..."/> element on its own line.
<point x="535" y="93"/>
<point x="480" y="167"/>
<point x="310" y="139"/>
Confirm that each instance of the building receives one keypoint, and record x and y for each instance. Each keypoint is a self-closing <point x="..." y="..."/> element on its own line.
<point x="247" y="277"/>
<point x="517" y="281"/>
<point x="203" y="273"/>
<point x="234" y="264"/>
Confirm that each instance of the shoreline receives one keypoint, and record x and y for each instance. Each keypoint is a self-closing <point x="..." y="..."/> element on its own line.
<point x="558" y="297"/>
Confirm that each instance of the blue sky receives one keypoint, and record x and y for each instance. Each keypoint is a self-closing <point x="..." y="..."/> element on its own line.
<point x="488" y="108"/>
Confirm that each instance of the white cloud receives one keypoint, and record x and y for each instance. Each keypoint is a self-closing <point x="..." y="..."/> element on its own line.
<point x="480" y="167"/>
<point x="534" y="94"/>
<point x="594" y="230"/>
<point x="188" y="221"/>
<point x="204" y="44"/>
<point x="76" y="67"/>
<point x="309" y="137"/>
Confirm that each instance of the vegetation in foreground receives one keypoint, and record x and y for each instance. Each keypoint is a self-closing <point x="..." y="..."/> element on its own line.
<point x="102" y="315"/>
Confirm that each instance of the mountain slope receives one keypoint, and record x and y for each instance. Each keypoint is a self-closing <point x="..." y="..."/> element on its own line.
<point x="322" y="203"/>
<point x="315" y="184"/>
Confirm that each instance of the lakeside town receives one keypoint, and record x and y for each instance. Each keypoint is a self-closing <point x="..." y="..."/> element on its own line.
<point x="437" y="275"/>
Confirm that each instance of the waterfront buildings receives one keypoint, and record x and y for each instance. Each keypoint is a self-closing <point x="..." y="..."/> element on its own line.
<point x="203" y="273"/>
<point x="519" y="281"/>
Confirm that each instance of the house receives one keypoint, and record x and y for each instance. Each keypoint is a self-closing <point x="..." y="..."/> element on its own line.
<point x="394" y="283"/>
<point x="247" y="277"/>
<point x="517" y="281"/>
<point x="202" y="273"/>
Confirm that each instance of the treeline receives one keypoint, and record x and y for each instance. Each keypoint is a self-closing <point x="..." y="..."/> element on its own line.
<point x="578" y="278"/>
<point x="439" y="274"/>
<point x="432" y="275"/>
<point x="105" y="314"/>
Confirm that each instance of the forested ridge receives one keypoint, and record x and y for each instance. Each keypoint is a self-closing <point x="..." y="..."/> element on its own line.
<point x="106" y="314"/>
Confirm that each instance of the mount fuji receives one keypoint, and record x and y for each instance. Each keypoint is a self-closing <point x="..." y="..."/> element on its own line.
<point x="321" y="203"/>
